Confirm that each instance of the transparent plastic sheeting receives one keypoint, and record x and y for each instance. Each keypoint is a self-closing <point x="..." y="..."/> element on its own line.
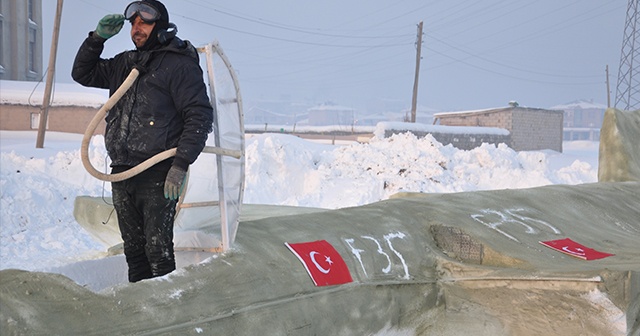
<point x="210" y="210"/>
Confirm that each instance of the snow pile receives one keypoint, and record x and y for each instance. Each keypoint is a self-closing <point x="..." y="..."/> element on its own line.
<point x="38" y="186"/>
<point x="38" y="189"/>
<point x="285" y="170"/>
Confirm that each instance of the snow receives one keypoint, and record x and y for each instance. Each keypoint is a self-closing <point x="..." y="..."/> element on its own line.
<point x="63" y="94"/>
<point x="579" y="104"/>
<point x="307" y="129"/>
<point x="417" y="127"/>
<point x="38" y="186"/>
<point x="467" y="112"/>
<point x="331" y="107"/>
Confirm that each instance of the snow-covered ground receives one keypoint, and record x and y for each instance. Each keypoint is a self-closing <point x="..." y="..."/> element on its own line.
<point x="38" y="186"/>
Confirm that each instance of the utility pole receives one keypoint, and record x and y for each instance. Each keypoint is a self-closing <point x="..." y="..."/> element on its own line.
<point x="608" y="90"/>
<point x="414" y="100"/>
<point x="44" y="112"/>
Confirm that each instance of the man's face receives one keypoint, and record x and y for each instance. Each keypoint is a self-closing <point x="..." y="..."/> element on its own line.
<point x="140" y="31"/>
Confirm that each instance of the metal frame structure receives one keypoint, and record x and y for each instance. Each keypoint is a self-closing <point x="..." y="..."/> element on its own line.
<point x="628" y="86"/>
<point x="229" y="216"/>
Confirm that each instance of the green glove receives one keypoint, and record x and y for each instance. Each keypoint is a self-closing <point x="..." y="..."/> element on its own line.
<point x="174" y="183"/>
<point x="110" y="25"/>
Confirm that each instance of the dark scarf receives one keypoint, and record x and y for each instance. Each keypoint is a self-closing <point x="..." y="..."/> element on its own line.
<point x="152" y="42"/>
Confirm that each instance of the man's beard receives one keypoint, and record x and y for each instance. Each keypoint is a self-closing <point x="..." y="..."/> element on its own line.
<point x="139" y="39"/>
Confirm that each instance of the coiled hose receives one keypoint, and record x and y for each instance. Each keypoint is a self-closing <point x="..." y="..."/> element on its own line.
<point x="84" y="149"/>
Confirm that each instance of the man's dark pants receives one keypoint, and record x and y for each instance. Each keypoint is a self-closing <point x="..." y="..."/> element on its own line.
<point x="145" y="218"/>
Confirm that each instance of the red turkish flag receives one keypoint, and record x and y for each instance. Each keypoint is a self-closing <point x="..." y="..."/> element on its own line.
<point x="323" y="263"/>
<point x="572" y="248"/>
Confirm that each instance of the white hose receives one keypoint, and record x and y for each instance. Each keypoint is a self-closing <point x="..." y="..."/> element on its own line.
<point x="84" y="149"/>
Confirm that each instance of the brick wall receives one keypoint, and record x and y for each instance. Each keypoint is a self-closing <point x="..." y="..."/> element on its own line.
<point x="69" y="119"/>
<point x="16" y="117"/>
<point x="530" y="128"/>
<point x="498" y="118"/>
<point x="535" y="129"/>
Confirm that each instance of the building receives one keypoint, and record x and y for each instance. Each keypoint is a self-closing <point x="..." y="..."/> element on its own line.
<point x="283" y="111"/>
<point x="21" y="40"/>
<point x="530" y="128"/>
<point x="260" y="116"/>
<point x="582" y="120"/>
<point x="72" y="106"/>
<point x="331" y="114"/>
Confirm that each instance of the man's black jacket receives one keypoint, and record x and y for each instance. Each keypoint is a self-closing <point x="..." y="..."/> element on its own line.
<point x="166" y="107"/>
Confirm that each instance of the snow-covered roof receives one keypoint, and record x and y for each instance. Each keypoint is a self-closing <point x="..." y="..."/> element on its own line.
<point x="488" y="110"/>
<point x="63" y="94"/>
<point x="494" y="109"/>
<point x="579" y="104"/>
<point x="255" y="109"/>
<point x="416" y="127"/>
<point x="298" y="128"/>
<point x="420" y="108"/>
<point x="330" y="107"/>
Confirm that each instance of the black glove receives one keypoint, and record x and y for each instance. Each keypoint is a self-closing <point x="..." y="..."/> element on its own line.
<point x="174" y="183"/>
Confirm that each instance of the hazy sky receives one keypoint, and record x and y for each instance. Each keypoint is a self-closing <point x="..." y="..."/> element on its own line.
<point x="475" y="53"/>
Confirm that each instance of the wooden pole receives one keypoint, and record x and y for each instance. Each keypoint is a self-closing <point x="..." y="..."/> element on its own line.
<point x="50" y="73"/>
<point x="608" y="90"/>
<point x="414" y="100"/>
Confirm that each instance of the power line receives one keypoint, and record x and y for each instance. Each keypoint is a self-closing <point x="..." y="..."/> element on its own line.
<point x="507" y="75"/>
<point x="509" y="44"/>
<point x="291" y="40"/>
<point x="484" y="21"/>
<point x="299" y="30"/>
<point x="506" y="65"/>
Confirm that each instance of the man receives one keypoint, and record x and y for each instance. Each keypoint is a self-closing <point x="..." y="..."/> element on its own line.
<point x="166" y="107"/>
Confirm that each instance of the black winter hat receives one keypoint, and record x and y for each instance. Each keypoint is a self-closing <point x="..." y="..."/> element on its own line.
<point x="161" y="24"/>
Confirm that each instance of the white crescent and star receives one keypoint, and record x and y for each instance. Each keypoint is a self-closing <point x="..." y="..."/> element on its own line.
<point x="327" y="259"/>
<point x="577" y="251"/>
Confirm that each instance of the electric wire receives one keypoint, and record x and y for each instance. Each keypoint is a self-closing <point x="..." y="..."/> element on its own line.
<point x="287" y="39"/>
<point x="508" y="75"/>
<point x="478" y="56"/>
<point x="508" y="44"/>
<point x="296" y="29"/>
<point x="368" y="52"/>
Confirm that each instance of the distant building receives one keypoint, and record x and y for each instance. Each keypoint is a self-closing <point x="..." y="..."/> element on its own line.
<point x="283" y="111"/>
<point x="331" y="114"/>
<point x="424" y="115"/>
<point x="259" y="116"/>
<point x="582" y="120"/>
<point x="21" y="40"/>
<point x="530" y="128"/>
<point x="374" y="119"/>
<point x="72" y="106"/>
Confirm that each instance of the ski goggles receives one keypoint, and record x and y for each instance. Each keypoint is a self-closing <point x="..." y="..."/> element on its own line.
<point x="146" y="12"/>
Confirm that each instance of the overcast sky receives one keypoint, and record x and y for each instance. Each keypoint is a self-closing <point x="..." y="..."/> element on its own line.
<point x="475" y="53"/>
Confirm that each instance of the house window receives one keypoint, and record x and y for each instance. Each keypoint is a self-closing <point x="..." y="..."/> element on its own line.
<point x="1" y="40"/>
<point x="30" y="9"/>
<point x="1" y="43"/>
<point x="32" y="49"/>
